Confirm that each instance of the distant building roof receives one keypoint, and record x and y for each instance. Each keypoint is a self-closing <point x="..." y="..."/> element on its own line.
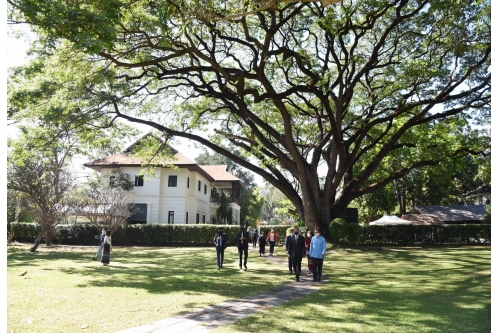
<point x="455" y="213"/>
<point x="480" y="190"/>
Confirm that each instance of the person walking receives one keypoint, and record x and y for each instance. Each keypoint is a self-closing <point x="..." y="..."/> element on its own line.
<point x="255" y="236"/>
<point x="241" y="238"/>
<point x="308" y="255"/>
<point x="317" y="253"/>
<point x="101" y="240"/>
<point x="262" y="244"/>
<point x="272" y="238"/>
<point x="297" y="250"/>
<point x="107" y="248"/>
<point x="287" y="243"/>
<point x="220" y="241"/>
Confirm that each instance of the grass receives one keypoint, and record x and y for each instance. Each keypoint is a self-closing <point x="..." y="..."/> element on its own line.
<point x="392" y="290"/>
<point x="64" y="290"/>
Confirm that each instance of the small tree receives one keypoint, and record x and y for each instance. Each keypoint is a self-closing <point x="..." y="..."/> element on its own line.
<point x="107" y="203"/>
<point x="41" y="173"/>
<point x="224" y="214"/>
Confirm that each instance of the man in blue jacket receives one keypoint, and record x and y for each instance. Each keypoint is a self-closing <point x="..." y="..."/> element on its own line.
<point x="220" y="241"/>
<point x="101" y="239"/>
<point x="317" y="252"/>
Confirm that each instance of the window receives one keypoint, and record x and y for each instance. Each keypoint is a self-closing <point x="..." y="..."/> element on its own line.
<point x="170" y="217"/>
<point x="188" y="182"/>
<point x="139" y="181"/>
<point x="197" y="218"/>
<point x="203" y="219"/>
<point x="172" y="181"/>
<point x="199" y="185"/>
<point x="205" y="189"/>
<point x="112" y="181"/>
<point x="187" y="217"/>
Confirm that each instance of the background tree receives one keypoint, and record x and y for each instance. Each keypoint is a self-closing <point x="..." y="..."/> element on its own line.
<point x="299" y="86"/>
<point x="251" y="211"/>
<point x="224" y="213"/>
<point x="277" y="208"/>
<point x="106" y="202"/>
<point x="43" y="176"/>
<point x="19" y="207"/>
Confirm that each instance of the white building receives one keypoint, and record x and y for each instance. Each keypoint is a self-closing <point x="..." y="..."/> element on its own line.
<point x="183" y="194"/>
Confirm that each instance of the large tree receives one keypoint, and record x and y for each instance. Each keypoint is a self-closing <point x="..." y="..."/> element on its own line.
<point x="320" y="95"/>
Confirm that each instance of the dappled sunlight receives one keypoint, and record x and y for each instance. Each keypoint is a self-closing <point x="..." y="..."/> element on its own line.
<point x="142" y="284"/>
<point x="392" y="290"/>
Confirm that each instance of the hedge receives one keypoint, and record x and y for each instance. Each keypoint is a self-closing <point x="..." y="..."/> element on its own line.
<point x="426" y="234"/>
<point x="138" y="234"/>
<point x="202" y="234"/>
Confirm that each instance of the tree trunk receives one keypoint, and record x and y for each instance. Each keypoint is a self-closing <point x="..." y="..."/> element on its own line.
<point x="48" y="238"/>
<point x="37" y="241"/>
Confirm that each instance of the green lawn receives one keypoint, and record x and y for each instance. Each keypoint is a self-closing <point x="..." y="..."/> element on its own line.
<point x="393" y="290"/>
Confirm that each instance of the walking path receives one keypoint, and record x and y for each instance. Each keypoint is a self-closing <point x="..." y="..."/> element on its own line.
<point x="229" y="312"/>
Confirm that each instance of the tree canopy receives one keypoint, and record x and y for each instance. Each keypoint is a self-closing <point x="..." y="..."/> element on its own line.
<point x="301" y="86"/>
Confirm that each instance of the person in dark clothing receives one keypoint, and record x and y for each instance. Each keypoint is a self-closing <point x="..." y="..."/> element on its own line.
<point x="297" y="250"/>
<point x="255" y="235"/>
<point x="241" y="238"/>
<point x="107" y="248"/>
<point x="262" y="244"/>
<point x="220" y="241"/>
<point x="287" y="242"/>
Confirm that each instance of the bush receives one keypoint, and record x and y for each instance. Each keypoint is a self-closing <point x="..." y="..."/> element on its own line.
<point x="354" y="231"/>
<point x="138" y="234"/>
<point x="339" y="229"/>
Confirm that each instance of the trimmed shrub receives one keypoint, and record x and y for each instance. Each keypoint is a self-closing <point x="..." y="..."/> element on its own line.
<point x="202" y="234"/>
<point x="339" y="230"/>
<point x="354" y="231"/>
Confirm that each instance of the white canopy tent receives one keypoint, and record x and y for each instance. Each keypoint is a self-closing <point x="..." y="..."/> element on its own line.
<point x="390" y="220"/>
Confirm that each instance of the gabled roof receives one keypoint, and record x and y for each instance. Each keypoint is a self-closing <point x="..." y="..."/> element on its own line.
<point x="212" y="172"/>
<point x="126" y="158"/>
<point x="455" y="213"/>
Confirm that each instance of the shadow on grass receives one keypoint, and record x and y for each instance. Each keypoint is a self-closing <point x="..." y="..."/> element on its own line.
<point x="392" y="290"/>
<point x="192" y="271"/>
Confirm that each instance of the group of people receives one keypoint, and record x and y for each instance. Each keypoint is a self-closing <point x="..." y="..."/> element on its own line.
<point x="297" y="247"/>
<point x="104" y="247"/>
<point x="312" y="247"/>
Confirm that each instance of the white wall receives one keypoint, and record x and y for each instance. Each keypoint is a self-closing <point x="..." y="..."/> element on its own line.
<point x="162" y="198"/>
